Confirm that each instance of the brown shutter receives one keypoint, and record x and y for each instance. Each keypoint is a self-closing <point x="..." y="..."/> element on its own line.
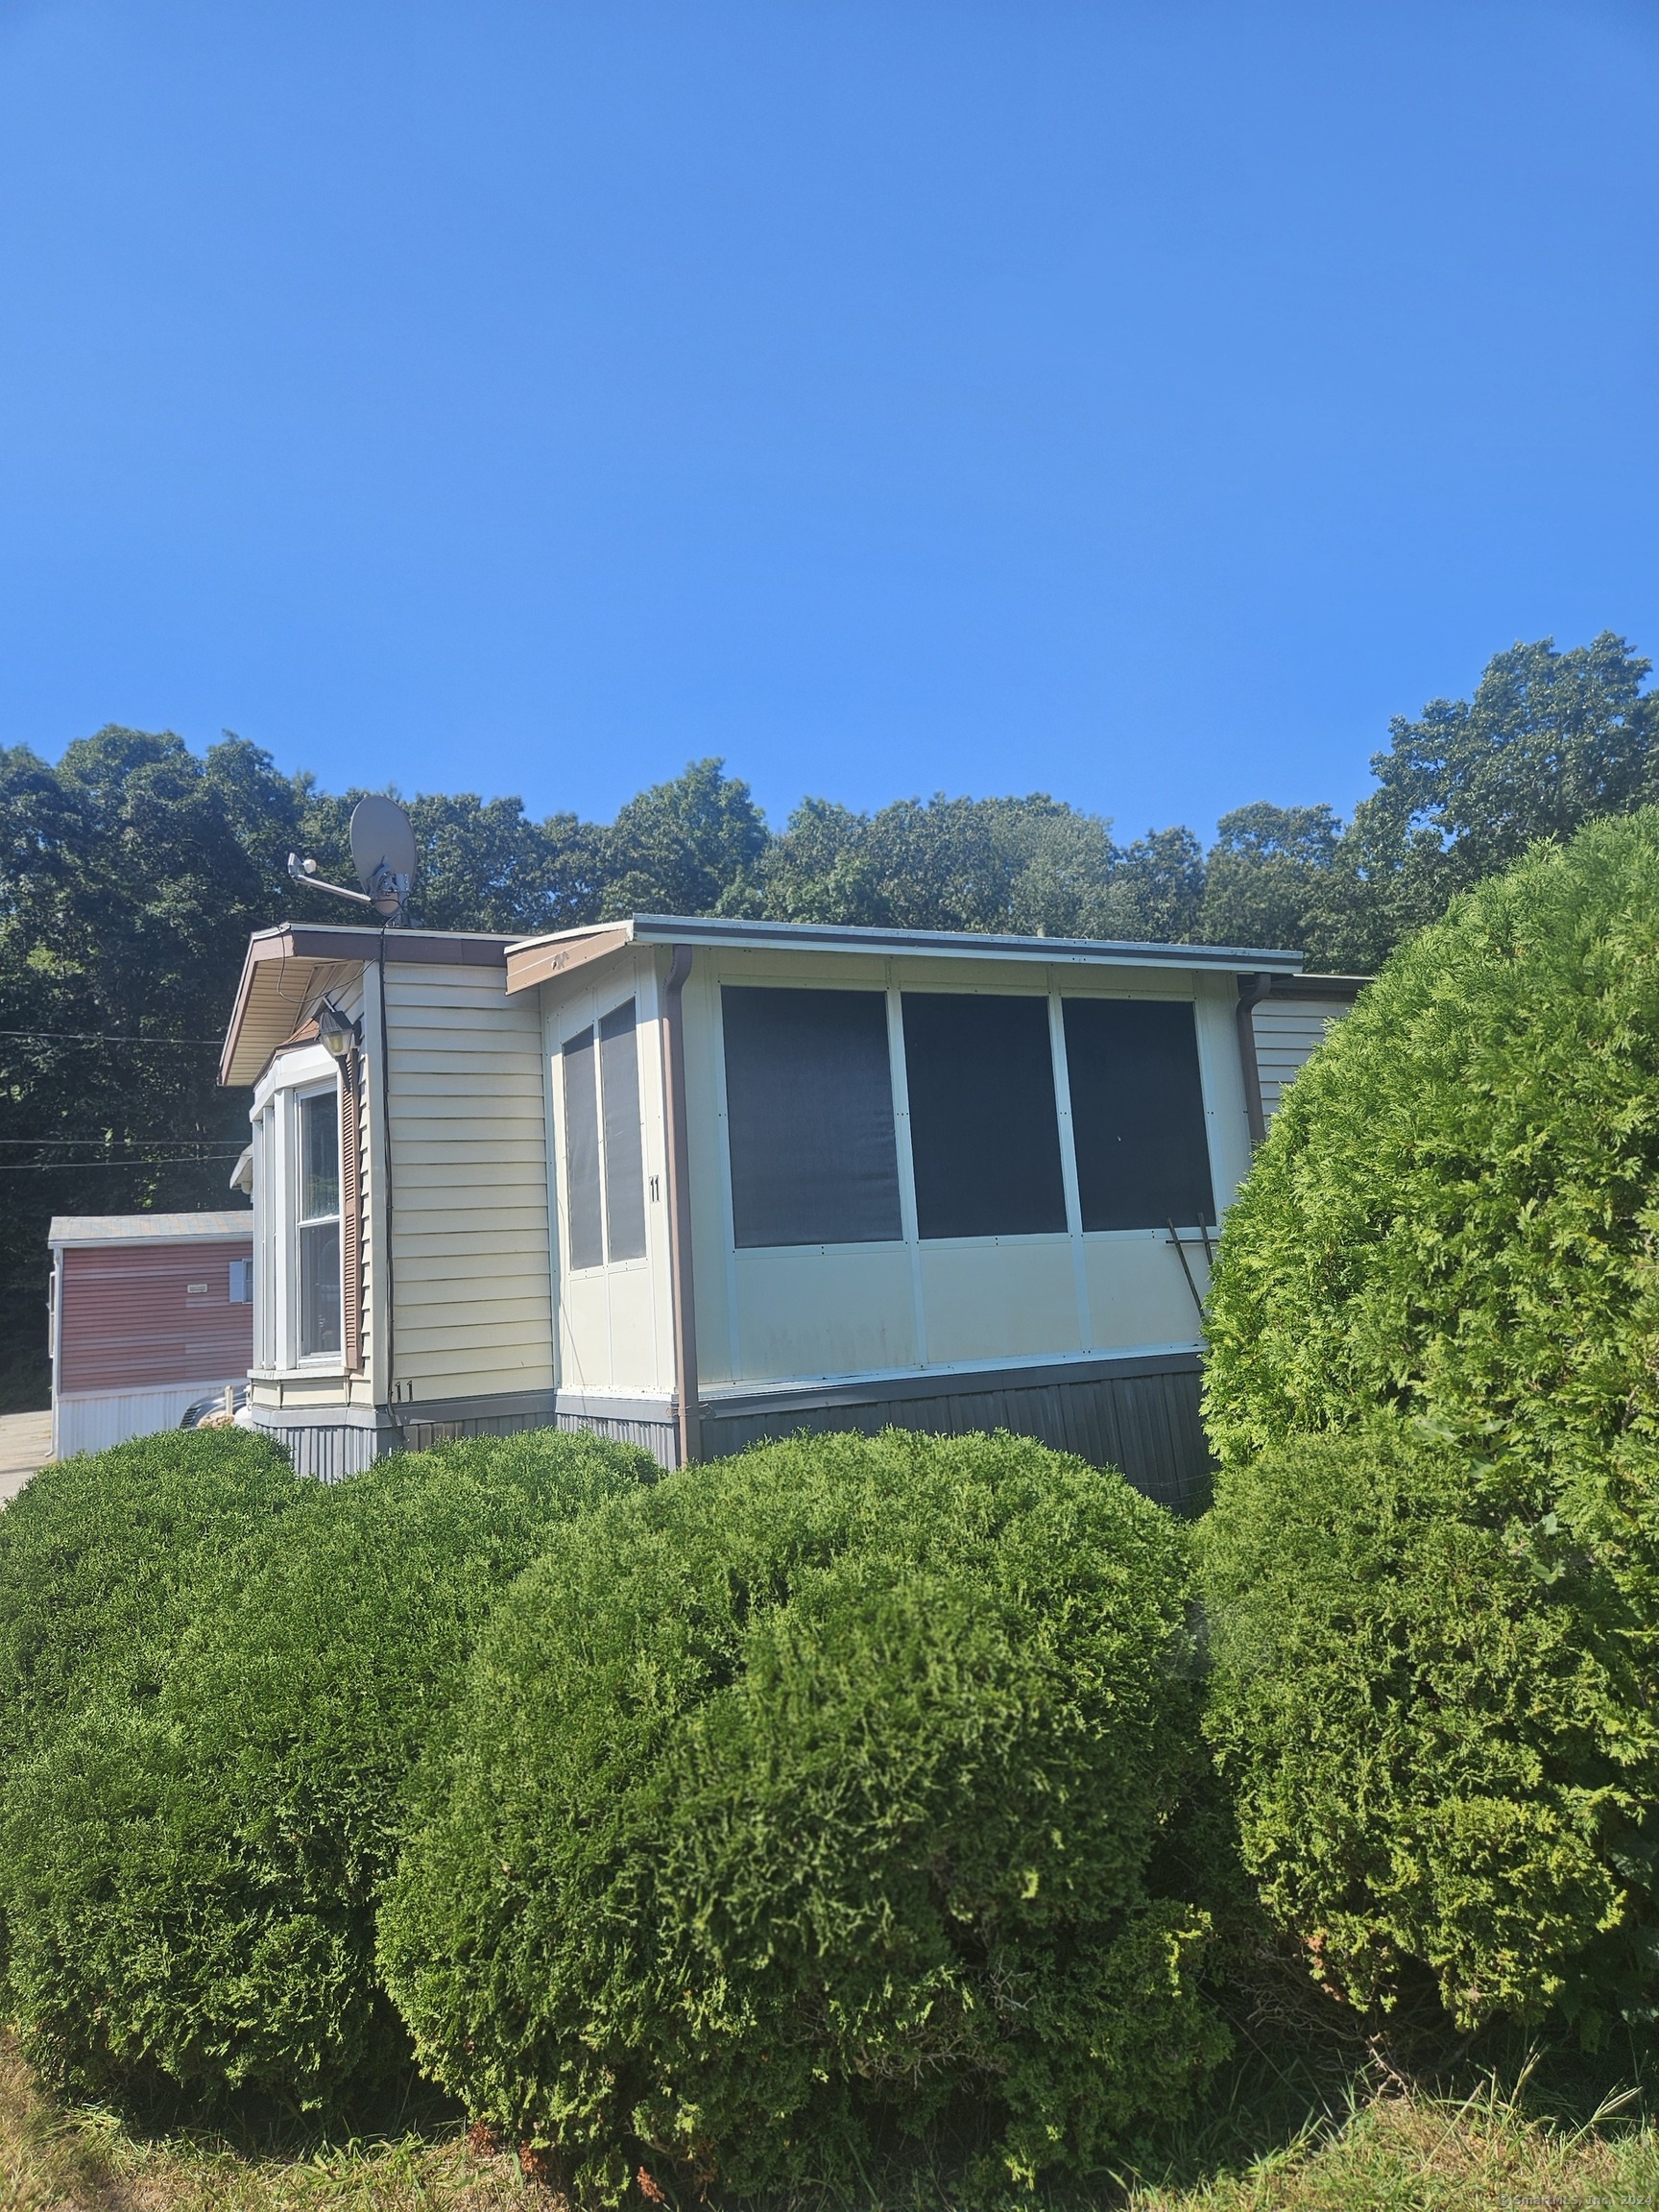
<point x="350" y="1219"/>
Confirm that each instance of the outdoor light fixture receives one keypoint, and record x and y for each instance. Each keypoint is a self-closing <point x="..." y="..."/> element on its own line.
<point x="335" y="1033"/>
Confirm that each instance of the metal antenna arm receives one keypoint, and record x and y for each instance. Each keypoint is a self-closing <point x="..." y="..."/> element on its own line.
<point x="306" y="872"/>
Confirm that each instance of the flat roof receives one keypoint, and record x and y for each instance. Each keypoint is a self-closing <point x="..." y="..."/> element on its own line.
<point x="535" y="959"/>
<point x="149" y="1228"/>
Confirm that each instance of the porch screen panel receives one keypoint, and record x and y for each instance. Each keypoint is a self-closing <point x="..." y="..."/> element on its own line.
<point x="1138" y="1114"/>
<point x="585" y="1227"/>
<point x="810" y="1116"/>
<point x="624" y="1159"/>
<point x="984" y="1134"/>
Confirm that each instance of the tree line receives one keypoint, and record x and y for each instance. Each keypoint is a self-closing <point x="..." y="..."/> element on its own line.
<point x="131" y="871"/>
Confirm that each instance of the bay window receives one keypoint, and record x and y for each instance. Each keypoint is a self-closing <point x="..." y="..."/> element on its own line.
<point x="301" y="1195"/>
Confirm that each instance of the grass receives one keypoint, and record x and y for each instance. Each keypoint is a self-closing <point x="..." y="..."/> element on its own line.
<point x="1504" y="2145"/>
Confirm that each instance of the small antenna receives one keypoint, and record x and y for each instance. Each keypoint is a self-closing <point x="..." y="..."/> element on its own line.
<point x="383" y="850"/>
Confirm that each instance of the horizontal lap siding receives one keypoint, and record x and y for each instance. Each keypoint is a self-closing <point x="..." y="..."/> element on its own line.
<point x="130" y="1323"/>
<point x="469" y="1185"/>
<point x="1288" y="1035"/>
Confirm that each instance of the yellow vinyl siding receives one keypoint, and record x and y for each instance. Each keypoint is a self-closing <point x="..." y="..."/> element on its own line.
<point x="468" y="1185"/>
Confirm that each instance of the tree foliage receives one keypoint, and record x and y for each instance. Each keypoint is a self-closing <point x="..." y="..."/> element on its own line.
<point x="131" y="871"/>
<point x="1452" y="1234"/>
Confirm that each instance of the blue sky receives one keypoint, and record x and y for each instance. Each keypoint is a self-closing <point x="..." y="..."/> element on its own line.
<point x="1138" y="402"/>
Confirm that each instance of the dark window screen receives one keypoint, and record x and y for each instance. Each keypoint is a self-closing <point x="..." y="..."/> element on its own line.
<point x="624" y="1162"/>
<point x="582" y="1153"/>
<point x="983" y="1131"/>
<point x="809" y="1115"/>
<point x="1137" y="1114"/>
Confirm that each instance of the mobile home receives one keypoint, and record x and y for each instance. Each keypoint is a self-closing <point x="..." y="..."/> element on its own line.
<point x="149" y="1311"/>
<point x="695" y="1182"/>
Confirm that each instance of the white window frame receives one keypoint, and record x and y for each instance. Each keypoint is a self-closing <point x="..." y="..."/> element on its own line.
<point x="309" y="1073"/>
<point x="587" y="1013"/>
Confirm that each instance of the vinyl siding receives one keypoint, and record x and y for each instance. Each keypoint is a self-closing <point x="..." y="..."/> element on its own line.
<point x="469" y="1187"/>
<point x="1289" y="1033"/>
<point x="131" y="1322"/>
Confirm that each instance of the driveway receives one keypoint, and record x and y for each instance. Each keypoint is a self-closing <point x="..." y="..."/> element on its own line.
<point x="25" y="1445"/>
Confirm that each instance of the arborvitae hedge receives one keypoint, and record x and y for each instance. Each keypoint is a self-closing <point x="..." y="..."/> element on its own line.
<point x="193" y="1887"/>
<point x="99" y="1557"/>
<point x="836" y="1780"/>
<point x="1434" y="1709"/>
<point x="1438" y="1630"/>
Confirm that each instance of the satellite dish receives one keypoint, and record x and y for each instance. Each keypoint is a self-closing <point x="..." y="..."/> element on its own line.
<point x="382" y="841"/>
<point x="383" y="848"/>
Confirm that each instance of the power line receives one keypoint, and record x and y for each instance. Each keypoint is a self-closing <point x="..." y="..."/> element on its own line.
<point x="101" y="1037"/>
<point x="119" y="1140"/>
<point x="82" y="1166"/>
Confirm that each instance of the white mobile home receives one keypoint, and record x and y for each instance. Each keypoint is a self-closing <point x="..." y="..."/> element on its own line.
<point x="694" y="1182"/>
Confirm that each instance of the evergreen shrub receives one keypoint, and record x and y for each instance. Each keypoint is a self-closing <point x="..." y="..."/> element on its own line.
<point x="1432" y="1566"/>
<point x="99" y="1557"/>
<point x="835" y="1784"/>
<point x="193" y="1885"/>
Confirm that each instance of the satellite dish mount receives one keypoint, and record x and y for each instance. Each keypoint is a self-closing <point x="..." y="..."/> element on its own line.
<point x="383" y="850"/>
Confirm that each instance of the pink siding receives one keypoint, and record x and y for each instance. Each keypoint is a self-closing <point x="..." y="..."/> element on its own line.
<point x="132" y="1322"/>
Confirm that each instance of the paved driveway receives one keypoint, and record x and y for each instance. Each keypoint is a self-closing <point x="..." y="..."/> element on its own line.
<point x="25" y="1445"/>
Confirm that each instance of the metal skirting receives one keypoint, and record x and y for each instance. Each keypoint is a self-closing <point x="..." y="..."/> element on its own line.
<point x="332" y="1449"/>
<point x="328" y="1451"/>
<point x="1139" y="1415"/>
<point x="1145" y="1423"/>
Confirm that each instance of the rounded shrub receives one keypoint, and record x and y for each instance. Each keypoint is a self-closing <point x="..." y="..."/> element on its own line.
<point x="831" y="1784"/>
<point x="1434" y="1712"/>
<point x="100" y="1558"/>
<point x="193" y="1885"/>
<point x="1456" y="1209"/>
<point x="1432" y="1566"/>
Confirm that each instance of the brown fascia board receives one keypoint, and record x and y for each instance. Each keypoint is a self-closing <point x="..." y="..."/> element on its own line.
<point x="545" y="959"/>
<point x="311" y="945"/>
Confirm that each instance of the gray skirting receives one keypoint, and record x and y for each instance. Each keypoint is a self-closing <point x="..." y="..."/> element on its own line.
<point x="1136" y="1414"/>
<point x="1140" y="1416"/>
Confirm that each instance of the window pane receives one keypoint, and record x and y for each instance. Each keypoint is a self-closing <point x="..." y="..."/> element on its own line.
<point x="624" y="1160"/>
<point x="582" y="1153"/>
<point x="809" y="1117"/>
<point x="1137" y="1114"/>
<point x="318" y="1156"/>
<point x="320" y="1288"/>
<point x="983" y="1131"/>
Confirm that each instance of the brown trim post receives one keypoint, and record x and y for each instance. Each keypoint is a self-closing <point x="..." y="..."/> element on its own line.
<point x="350" y="1215"/>
<point x="1252" y="989"/>
<point x="689" y="1412"/>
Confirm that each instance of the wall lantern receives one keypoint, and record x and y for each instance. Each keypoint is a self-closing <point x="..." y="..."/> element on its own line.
<point x="334" y="1032"/>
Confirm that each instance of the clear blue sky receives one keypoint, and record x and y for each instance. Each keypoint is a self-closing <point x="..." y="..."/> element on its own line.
<point x="1138" y="401"/>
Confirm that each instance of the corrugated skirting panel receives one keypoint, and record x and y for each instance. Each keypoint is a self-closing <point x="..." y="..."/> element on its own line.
<point x="1146" y="1425"/>
<point x="660" y="1438"/>
<point x="331" y="1453"/>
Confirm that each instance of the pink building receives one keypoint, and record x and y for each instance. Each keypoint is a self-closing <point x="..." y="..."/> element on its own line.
<point x="149" y="1312"/>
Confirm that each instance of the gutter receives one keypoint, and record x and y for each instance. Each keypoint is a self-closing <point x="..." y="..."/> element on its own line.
<point x="689" y="1410"/>
<point x="1252" y="989"/>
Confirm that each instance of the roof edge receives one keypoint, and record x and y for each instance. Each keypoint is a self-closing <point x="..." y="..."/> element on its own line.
<point x="944" y="944"/>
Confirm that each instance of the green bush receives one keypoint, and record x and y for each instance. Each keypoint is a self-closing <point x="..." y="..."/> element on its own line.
<point x="1455" y="1213"/>
<point x="100" y="1557"/>
<point x="1433" y="1711"/>
<point x="835" y="1781"/>
<point x="1433" y="1560"/>
<point x="193" y="1887"/>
